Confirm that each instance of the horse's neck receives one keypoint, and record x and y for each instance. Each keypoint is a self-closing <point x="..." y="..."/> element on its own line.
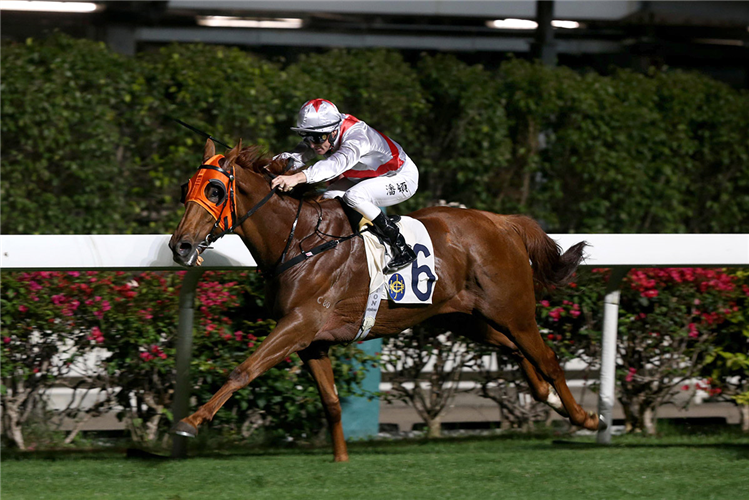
<point x="266" y="230"/>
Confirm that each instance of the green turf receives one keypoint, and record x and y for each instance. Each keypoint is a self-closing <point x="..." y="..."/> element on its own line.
<point x="489" y="467"/>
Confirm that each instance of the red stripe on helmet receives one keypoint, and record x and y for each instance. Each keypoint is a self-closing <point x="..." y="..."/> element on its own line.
<point x="317" y="102"/>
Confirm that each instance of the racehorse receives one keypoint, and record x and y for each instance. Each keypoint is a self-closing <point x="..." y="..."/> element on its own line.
<point x="488" y="265"/>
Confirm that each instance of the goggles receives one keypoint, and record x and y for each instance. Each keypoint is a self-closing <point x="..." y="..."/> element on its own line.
<point x="212" y="188"/>
<point x="316" y="137"/>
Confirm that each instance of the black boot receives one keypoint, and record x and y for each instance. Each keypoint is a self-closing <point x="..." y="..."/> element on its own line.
<point x="402" y="253"/>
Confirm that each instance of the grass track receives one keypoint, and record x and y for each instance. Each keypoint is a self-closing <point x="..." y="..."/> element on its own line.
<point x="489" y="467"/>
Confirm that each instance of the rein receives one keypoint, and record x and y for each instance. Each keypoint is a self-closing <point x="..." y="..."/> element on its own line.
<point x="281" y="266"/>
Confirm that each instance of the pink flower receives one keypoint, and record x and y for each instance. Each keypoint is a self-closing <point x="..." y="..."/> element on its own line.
<point x="649" y="293"/>
<point x="6" y="340"/>
<point x="58" y="299"/>
<point x="556" y="313"/>
<point x="34" y="286"/>
<point x="146" y="356"/>
<point x="74" y="274"/>
<point x="23" y="308"/>
<point x="105" y="306"/>
<point x="238" y="335"/>
<point x="544" y="303"/>
<point x="685" y="387"/>
<point x="693" y="333"/>
<point x="574" y="313"/>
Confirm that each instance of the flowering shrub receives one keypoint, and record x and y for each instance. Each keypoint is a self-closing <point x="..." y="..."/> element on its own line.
<point x="47" y="319"/>
<point x="672" y="324"/>
<point x="116" y="332"/>
<point x="672" y="320"/>
<point x="727" y="366"/>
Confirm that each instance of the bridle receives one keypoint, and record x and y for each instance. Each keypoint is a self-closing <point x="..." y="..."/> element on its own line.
<point x="194" y="191"/>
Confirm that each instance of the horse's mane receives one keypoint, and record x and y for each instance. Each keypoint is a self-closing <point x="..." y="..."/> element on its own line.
<point x="257" y="159"/>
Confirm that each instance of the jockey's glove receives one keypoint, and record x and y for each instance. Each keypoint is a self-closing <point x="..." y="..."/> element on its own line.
<point x="294" y="160"/>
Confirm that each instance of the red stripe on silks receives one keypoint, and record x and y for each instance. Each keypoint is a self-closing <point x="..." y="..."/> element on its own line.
<point x="393" y="164"/>
<point x="347" y="123"/>
<point x="317" y="102"/>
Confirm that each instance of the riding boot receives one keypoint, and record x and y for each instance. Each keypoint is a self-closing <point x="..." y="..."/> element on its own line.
<point x="402" y="253"/>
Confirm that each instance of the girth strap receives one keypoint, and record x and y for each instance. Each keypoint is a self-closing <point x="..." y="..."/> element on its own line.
<point x="311" y="253"/>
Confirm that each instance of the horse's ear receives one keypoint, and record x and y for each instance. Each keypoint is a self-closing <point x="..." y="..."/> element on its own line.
<point x="209" y="151"/>
<point x="232" y="155"/>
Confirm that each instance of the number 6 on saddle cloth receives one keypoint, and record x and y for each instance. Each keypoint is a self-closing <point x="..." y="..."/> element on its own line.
<point x="212" y="188"/>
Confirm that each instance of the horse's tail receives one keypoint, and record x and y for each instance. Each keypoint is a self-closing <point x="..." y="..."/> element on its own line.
<point x="551" y="267"/>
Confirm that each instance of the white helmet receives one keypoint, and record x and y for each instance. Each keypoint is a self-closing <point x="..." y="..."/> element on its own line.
<point x="318" y="116"/>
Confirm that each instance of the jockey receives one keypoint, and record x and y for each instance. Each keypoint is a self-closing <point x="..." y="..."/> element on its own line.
<point x="374" y="170"/>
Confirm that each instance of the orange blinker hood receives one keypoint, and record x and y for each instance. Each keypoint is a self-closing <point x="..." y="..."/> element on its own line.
<point x="210" y="175"/>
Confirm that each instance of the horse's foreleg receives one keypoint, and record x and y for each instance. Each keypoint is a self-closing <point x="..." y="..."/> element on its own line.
<point x="317" y="360"/>
<point x="288" y="337"/>
<point x="528" y="339"/>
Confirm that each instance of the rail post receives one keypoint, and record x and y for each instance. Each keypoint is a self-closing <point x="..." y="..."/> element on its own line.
<point x="607" y="393"/>
<point x="181" y="402"/>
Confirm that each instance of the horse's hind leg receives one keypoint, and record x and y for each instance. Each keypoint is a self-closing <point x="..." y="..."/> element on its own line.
<point x="317" y="360"/>
<point x="541" y="390"/>
<point x="520" y="320"/>
<point x="526" y="336"/>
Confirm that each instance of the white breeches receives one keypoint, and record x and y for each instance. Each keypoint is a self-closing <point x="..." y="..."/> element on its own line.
<point x="367" y="195"/>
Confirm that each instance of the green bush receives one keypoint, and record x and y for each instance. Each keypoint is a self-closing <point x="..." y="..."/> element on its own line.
<point x="88" y="145"/>
<point x="63" y="148"/>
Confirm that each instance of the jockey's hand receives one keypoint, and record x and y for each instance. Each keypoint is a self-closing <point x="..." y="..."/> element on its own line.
<point x="286" y="183"/>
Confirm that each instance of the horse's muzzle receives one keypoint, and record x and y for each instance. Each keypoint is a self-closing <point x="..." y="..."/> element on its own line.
<point x="185" y="253"/>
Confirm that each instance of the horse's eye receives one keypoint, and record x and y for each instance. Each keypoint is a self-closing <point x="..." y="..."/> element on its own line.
<point x="214" y="193"/>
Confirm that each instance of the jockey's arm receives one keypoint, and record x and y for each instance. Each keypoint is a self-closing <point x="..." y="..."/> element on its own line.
<point x="348" y="155"/>
<point x="352" y="149"/>
<point x="305" y="152"/>
<point x="297" y="157"/>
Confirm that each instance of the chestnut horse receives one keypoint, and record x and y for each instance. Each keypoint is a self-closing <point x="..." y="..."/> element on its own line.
<point x="487" y="265"/>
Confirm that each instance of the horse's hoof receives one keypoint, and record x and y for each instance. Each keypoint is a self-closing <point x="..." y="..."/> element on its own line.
<point x="184" y="429"/>
<point x="602" y="425"/>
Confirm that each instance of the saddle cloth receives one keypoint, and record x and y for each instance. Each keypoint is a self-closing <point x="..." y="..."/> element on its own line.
<point x="413" y="284"/>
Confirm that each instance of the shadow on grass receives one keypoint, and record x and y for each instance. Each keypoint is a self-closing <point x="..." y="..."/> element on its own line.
<point x="518" y="441"/>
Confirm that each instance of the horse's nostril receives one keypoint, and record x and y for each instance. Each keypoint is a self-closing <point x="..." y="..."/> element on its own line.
<point x="184" y="249"/>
